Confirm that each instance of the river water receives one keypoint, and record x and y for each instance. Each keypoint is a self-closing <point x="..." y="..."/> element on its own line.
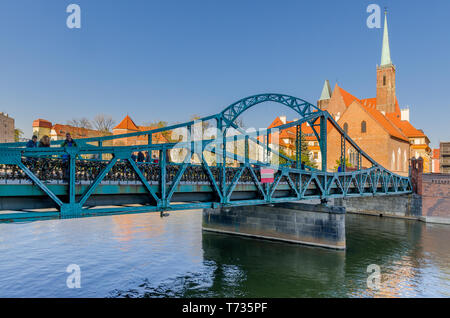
<point x="144" y="255"/>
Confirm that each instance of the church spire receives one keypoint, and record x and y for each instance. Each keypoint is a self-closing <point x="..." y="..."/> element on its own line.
<point x="385" y="51"/>
<point x="326" y="91"/>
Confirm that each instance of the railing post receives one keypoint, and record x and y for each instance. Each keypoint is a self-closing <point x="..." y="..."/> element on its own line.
<point x="100" y="144"/>
<point x="247" y="159"/>
<point x="343" y="166"/>
<point x="162" y="179"/>
<point x="235" y="141"/>
<point x="222" y="165"/>
<point x="72" y="175"/>
<point x="323" y="141"/>
<point x="298" y="147"/>
<point x="323" y="150"/>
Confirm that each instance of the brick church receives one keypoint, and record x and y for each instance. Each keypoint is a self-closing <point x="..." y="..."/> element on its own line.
<point x="377" y="125"/>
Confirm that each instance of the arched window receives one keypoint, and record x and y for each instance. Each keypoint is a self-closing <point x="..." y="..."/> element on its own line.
<point x="346" y="128"/>
<point x="405" y="161"/>
<point x="384" y="80"/>
<point x="393" y="160"/>
<point x="399" y="159"/>
<point x="363" y="127"/>
<point x="353" y="157"/>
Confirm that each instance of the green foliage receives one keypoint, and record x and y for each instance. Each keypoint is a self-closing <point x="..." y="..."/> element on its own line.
<point x="160" y="124"/>
<point x="305" y="159"/>
<point x="338" y="164"/>
<point x="18" y="133"/>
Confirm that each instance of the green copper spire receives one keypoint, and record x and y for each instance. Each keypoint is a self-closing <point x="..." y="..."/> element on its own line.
<point x="385" y="51"/>
<point x="326" y="91"/>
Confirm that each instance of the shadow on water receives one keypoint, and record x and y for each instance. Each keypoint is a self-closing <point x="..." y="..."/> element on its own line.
<point x="242" y="267"/>
<point x="412" y="256"/>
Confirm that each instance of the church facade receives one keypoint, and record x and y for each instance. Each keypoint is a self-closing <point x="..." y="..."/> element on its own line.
<point x="377" y="125"/>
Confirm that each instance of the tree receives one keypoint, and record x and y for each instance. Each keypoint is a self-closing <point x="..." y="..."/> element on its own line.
<point x="167" y="134"/>
<point x="157" y="124"/>
<point x="104" y="123"/>
<point x="305" y="159"/>
<point x="338" y="164"/>
<point x="18" y="133"/>
<point x="80" y="122"/>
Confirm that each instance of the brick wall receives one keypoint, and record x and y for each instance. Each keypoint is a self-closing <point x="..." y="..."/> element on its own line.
<point x="436" y="195"/>
<point x="376" y="142"/>
<point x="6" y="128"/>
<point x="434" y="189"/>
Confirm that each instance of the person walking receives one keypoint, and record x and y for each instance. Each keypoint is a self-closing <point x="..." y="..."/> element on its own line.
<point x="43" y="162"/>
<point x="44" y="142"/>
<point x="32" y="143"/>
<point x="68" y="142"/>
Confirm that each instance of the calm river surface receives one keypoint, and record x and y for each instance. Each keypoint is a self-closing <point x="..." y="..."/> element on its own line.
<point x="143" y="255"/>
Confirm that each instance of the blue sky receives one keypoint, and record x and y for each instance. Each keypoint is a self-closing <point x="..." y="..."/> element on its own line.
<point x="167" y="60"/>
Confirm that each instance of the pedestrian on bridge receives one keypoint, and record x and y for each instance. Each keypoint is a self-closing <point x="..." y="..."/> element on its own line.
<point x="140" y="157"/>
<point x="32" y="143"/>
<point x="147" y="157"/>
<point x="69" y="142"/>
<point x="43" y="162"/>
<point x="44" y="142"/>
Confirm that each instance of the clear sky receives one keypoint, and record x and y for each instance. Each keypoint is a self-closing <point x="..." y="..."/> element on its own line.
<point x="167" y="60"/>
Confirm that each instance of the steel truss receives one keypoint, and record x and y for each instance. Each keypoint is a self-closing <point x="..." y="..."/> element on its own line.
<point x="73" y="183"/>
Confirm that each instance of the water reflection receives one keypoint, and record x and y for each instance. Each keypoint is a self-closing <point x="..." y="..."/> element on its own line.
<point x="147" y="256"/>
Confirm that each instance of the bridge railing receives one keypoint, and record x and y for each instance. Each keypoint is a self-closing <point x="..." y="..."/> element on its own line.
<point x="72" y="176"/>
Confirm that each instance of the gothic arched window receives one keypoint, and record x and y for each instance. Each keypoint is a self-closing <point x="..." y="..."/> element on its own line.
<point x="384" y="80"/>
<point x="353" y="157"/>
<point x="346" y="128"/>
<point x="393" y="160"/>
<point x="363" y="127"/>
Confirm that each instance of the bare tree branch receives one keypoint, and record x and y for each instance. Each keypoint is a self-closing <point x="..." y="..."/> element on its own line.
<point x="80" y="122"/>
<point x="104" y="123"/>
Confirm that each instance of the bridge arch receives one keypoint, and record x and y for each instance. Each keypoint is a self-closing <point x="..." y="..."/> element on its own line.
<point x="232" y="112"/>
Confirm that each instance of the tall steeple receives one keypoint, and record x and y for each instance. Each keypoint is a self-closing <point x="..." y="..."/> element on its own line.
<point x="325" y="96"/>
<point x="385" y="51"/>
<point x="326" y="91"/>
<point x="386" y="100"/>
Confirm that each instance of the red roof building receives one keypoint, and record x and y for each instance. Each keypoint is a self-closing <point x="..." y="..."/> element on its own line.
<point x="127" y="125"/>
<point x="377" y="125"/>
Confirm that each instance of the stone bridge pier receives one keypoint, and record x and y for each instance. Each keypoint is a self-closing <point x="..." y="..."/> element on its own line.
<point x="300" y="223"/>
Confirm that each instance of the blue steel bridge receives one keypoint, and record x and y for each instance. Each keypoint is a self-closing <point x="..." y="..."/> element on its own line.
<point x="57" y="182"/>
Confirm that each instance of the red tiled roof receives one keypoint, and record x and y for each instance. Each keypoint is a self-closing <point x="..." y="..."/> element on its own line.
<point x="291" y="132"/>
<point x="392" y="129"/>
<point x="76" y="132"/>
<point x="436" y="153"/>
<point x="128" y="124"/>
<point x="348" y="98"/>
<point x="156" y="138"/>
<point x="369" y="104"/>
<point x="405" y="126"/>
<point x="42" y="123"/>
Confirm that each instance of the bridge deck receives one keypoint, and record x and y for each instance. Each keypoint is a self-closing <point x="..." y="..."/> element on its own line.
<point x="61" y="178"/>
